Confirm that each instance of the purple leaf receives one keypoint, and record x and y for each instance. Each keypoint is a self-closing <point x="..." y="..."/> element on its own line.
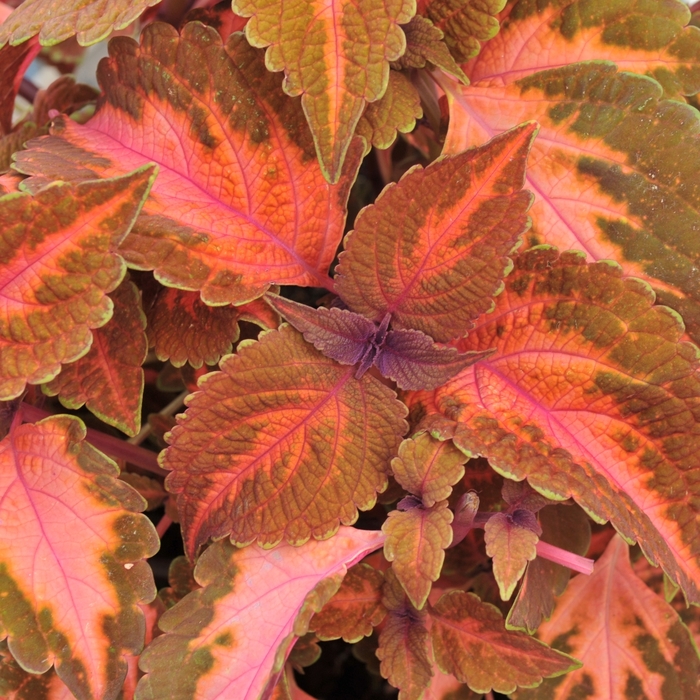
<point x="414" y="361"/>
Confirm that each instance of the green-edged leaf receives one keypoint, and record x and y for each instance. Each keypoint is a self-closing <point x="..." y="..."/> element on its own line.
<point x="59" y="261"/>
<point x="240" y="202"/>
<point x="471" y="642"/>
<point x="631" y="641"/>
<point x="56" y="20"/>
<point x="614" y="169"/>
<point x="109" y="379"/>
<point x="428" y="467"/>
<point x="336" y="56"/>
<point x="17" y="684"/>
<point x="598" y="401"/>
<point x="72" y="541"/>
<point x="181" y="580"/>
<point x="231" y="638"/>
<point x="13" y="142"/>
<point x="511" y="545"/>
<point x="416" y="540"/>
<point x="433" y="250"/>
<point x="466" y="25"/>
<point x="424" y="43"/>
<point x="283" y="443"/>
<point x="355" y="609"/>
<point x="397" y="110"/>
<point x="404" y="643"/>
<point x="445" y="686"/>
<point x="564" y="526"/>
<point x="649" y="37"/>
<point x="150" y="489"/>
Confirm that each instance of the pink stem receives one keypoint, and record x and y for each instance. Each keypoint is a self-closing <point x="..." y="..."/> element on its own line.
<point x="138" y="456"/>
<point x="163" y="524"/>
<point x="561" y="556"/>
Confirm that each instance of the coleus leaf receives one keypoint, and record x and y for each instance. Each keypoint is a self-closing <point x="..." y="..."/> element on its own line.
<point x="649" y="38"/>
<point x="17" y="684"/>
<point x="283" y="443"/>
<point x="424" y="43"/>
<point x="231" y="638"/>
<point x="109" y="379"/>
<point x="444" y="686"/>
<point x="396" y="110"/>
<point x="336" y="56"/>
<point x="433" y="250"/>
<point x="471" y="642"/>
<point x="241" y="202"/>
<point x="150" y="489"/>
<point x="416" y="539"/>
<point x="355" y="609"/>
<point x="59" y="263"/>
<point x="466" y="25"/>
<point x="14" y="61"/>
<point x="564" y="526"/>
<point x="408" y="357"/>
<point x="53" y="21"/>
<point x="181" y="580"/>
<point x="630" y="640"/>
<point x="62" y="503"/>
<point x="614" y="427"/>
<point x="428" y="467"/>
<point x="609" y="166"/>
<point x="511" y="542"/>
<point x="404" y="643"/>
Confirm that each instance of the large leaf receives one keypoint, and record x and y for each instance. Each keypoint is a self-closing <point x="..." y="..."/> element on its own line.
<point x="433" y="250"/>
<point x="109" y="379"/>
<point x="240" y="202"/>
<point x="355" y="609"/>
<point x="56" y="20"/>
<point x="471" y="642"/>
<point x="231" y="638"/>
<point x="72" y="544"/>
<point x="59" y="261"/>
<point x="283" y="443"/>
<point x="598" y="400"/>
<point x="614" y="169"/>
<point x="335" y="55"/>
<point x="631" y="642"/>
<point x="416" y="540"/>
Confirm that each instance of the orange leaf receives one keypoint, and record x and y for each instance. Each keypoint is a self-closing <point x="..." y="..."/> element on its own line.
<point x="335" y="55"/>
<point x="59" y="262"/>
<point x="433" y="250"/>
<point x="240" y="202"/>
<point x="355" y="609"/>
<point x="283" y="443"/>
<point x="109" y="379"/>
<point x="72" y="544"/>
<point x="631" y="642"/>
<point x="231" y="638"/>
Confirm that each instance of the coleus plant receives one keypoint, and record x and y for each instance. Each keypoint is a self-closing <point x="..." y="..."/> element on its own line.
<point x="406" y="438"/>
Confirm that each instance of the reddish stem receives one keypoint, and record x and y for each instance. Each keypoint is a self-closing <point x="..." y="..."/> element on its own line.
<point x="561" y="556"/>
<point x="138" y="456"/>
<point x="163" y="524"/>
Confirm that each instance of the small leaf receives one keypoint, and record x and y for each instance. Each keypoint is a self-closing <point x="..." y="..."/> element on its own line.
<point x="466" y="25"/>
<point x="181" y="580"/>
<point x="240" y="202"/>
<point x="404" y="643"/>
<point x="59" y="262"/>
<point x="91" y="20"/>
<point x="150" y="489"/>
<point x="259" y="455"/>
<point x="416" y="540"/>
<point x="424" y="42"/>
<point x="355" y="609"/>
<point x="566" y="527"/>
<point x="428" y="467"/>
<point x="336" y="56"/>
<point x="519" y="494"/>
<point x="109" y="379"/>
<point x="397" y="110"/>
<point x="231" y="638"/>
<point x="631" y="642"/>
<point x="414" y="362"/>
<point x="597" y="401"/>
<point x="73" y="602"/>
<point x="511" y="546"/>
<point x="432" y="251"/>
<point x="471" y="642"/>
